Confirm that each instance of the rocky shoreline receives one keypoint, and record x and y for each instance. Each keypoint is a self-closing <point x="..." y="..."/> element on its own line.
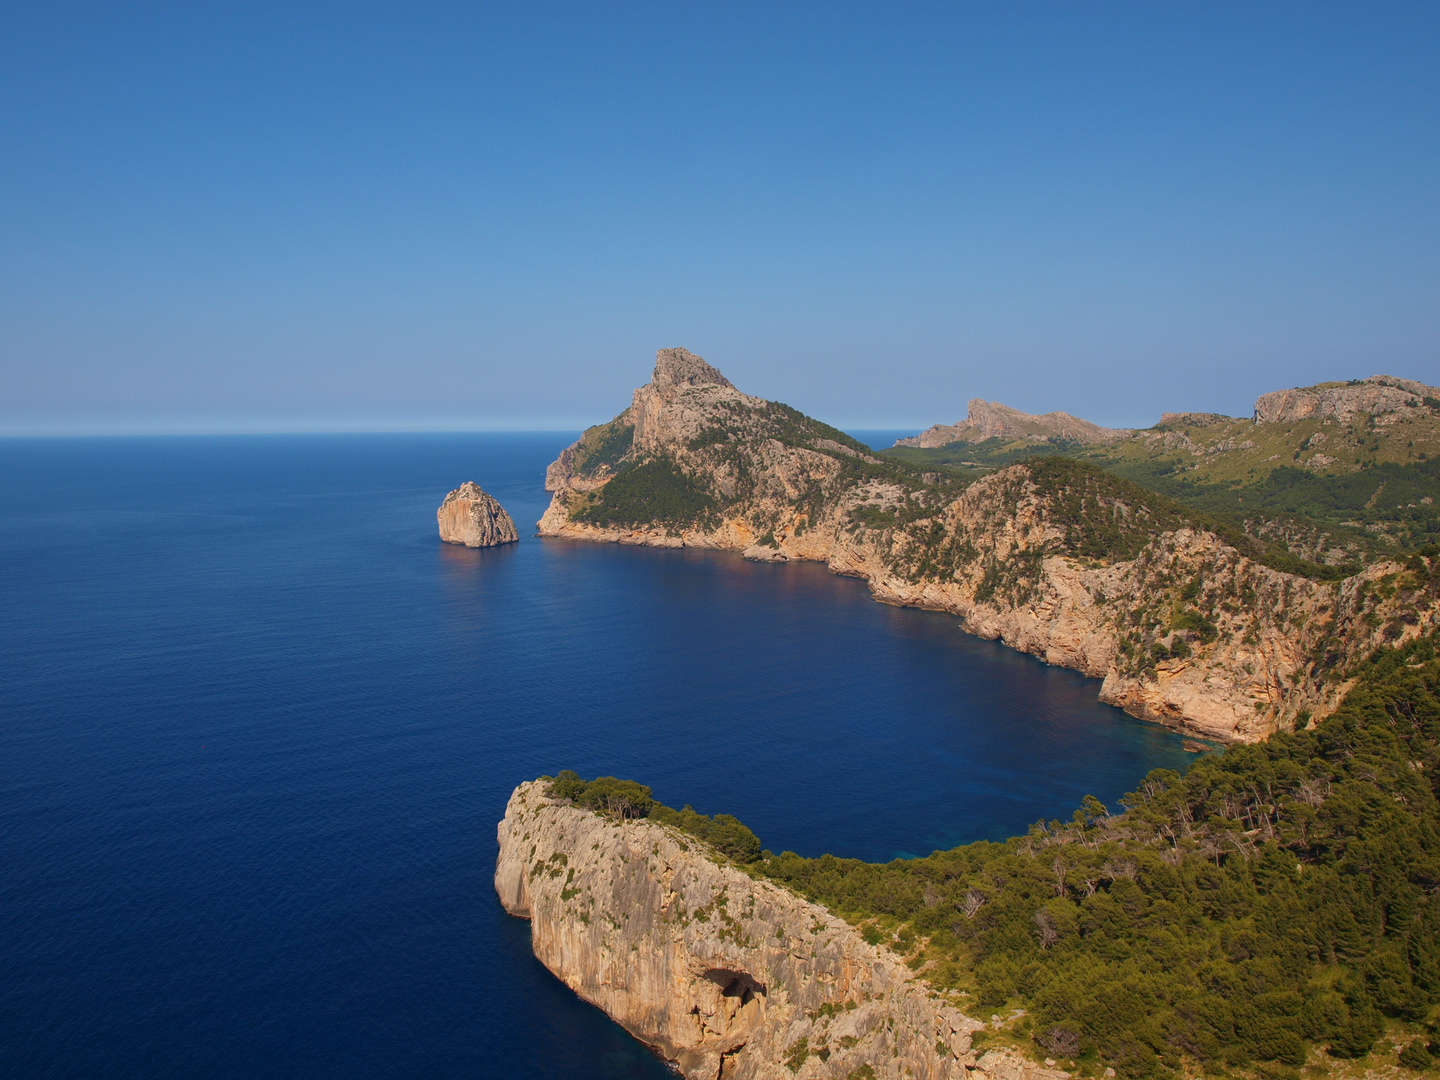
<point x="1261" y="662"/>
<point x="727" y="976"/>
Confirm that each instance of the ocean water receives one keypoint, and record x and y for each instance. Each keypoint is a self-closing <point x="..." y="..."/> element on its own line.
<point x="257" y="726"/>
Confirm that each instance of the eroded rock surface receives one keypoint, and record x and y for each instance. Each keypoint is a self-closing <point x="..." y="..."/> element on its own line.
<point x="1247" y="649"/>
<point x="1376" y="395"/>
<point x="727" y="976"/>
<point x="471" y="517"/>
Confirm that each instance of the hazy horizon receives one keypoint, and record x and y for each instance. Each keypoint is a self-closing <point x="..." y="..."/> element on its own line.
<point x="309" y="217"/>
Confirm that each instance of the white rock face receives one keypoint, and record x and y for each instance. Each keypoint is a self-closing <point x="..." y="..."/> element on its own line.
<point x="469" y="516"/>
<point x="727" y="976"/>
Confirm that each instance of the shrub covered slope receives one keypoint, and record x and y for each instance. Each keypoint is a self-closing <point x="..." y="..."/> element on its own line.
<point x="1278" y="897"/>
<point x="1332" y="490"/>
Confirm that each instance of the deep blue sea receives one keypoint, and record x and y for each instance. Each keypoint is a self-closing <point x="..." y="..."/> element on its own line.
<point x="257" y="725"/>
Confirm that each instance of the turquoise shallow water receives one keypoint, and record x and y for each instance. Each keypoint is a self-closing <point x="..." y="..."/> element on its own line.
<point x="258" y="725"/>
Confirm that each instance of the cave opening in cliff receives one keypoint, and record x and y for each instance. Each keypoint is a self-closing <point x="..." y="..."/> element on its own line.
<point x="736" y="984"/>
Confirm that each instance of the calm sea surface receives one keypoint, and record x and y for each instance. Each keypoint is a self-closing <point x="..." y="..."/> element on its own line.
<point x="257" y="726"/>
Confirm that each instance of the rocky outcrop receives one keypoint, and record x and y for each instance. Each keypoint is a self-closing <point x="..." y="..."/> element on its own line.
<point x="727" y="976"/>
<point x="1181" y="627"/>
<point x="469" y="516"/>
<point x="1342" y="401"/>
<point x="991" y="420"/>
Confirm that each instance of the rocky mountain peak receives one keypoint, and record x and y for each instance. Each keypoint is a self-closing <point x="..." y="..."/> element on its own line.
<point x="675" y="369"/>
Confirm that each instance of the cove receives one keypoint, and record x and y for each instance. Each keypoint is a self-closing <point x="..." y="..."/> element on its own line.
<point x="259" y="726"/>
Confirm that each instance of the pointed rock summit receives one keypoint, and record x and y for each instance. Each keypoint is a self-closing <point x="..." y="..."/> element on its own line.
<point x="471" y="517"/>
<point x="676" y="369"/>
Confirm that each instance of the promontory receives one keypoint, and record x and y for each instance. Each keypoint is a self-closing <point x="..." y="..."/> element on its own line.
<point x="1228" y="625"/>
<point x="728" y="976"/>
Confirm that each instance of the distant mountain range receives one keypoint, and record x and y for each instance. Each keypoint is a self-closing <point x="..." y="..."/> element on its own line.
<point x="1358" y="462"/>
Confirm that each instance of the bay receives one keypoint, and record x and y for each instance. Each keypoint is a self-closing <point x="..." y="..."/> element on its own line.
<point x="257" y="726"/>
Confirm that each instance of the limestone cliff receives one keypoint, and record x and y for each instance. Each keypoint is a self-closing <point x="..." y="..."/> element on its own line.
<point x="1058" y="559"/>
<point x="727" y="976"/>
<point x="1376" y="395"/>
<point x="991" y="420"/>
<point x="471" y="517"/>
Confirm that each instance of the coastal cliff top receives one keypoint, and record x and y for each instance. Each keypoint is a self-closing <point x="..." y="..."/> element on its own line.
<point x="1143" y="906"/>
<point x="725" y="973"/>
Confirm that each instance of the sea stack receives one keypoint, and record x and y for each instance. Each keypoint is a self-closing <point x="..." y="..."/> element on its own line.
<point x="471" y="517"/>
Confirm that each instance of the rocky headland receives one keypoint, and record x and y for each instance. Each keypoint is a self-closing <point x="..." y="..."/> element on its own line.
<point x="991" y="420"/>
<point x="1201" y="629"/>
<point x="470" y="517"/>
<point x="728" y="976"/>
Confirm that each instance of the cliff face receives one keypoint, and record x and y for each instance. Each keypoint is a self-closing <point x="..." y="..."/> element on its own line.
<point x="729" y="977"/>
<point x="991" y="420"/>
<point x="1341" y="401"/>
<point x="471" y="517"/>
<point x="1068" y="564"/>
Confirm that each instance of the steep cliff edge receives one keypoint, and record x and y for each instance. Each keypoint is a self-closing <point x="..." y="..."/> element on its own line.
<point x="1054" y="557"/>
<point x="727" y="976"/>
<point x="1377" y="395"/>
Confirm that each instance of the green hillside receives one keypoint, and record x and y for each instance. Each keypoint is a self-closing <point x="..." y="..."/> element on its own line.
<point x="1276" y="907"/>
<point x="1333" y="491"/>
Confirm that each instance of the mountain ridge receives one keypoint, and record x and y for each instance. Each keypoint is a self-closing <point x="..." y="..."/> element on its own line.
<point x="1187" y="621"/>
<point x="992" y="420"/>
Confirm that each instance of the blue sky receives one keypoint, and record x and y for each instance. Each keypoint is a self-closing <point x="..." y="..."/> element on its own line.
<point x="298" y="217"/>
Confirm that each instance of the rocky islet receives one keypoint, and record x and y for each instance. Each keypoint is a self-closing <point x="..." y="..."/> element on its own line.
<point x="470" y="517"/>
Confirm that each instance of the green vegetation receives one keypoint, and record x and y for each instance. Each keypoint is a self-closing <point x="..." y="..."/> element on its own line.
<point x="655" y="490"/>
<point x="984" y="455"/>
<point x="1385" y="494"/>
<point x="1418" y="1055"/>
<point x="626" y="799"/>
<point x="873" y="517"/>
<point x="793" y="427"/>
<point x="603" y="446"/>
<point x="1360" y="487"/>
<point x="623" y="799"/>
<point x="1105" y="516"/>
<point x="1276" y="897"/>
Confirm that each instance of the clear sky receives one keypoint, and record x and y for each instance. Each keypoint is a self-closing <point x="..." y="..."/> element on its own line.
<point x="410" y="215"/>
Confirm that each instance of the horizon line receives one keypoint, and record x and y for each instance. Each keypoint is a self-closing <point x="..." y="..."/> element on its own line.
<point x="66" y="431"/>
